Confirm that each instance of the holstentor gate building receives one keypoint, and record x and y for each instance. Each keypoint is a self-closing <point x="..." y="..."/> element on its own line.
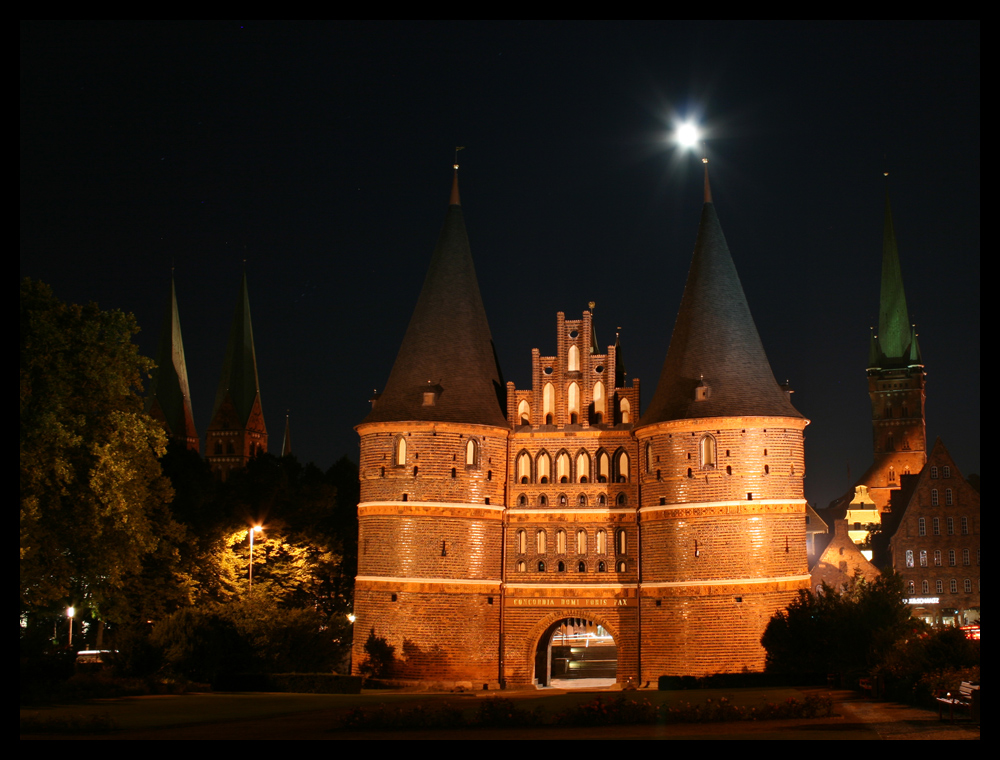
<point x="491" y="515"/>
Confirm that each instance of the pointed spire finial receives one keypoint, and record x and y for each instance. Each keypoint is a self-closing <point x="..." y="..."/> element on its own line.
<point x="708" y="188"/>
<point x="455" y="200"/>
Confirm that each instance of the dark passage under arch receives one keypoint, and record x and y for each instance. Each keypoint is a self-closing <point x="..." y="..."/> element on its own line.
<point x="573" y="649"/>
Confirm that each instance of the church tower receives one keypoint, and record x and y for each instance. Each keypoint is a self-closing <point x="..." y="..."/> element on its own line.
<point x="895" y="383"/>
<point x="169" y="398"/>
<point x="722" y="513"/>
<point x="433" y="465"/>
<point x="237" y="431"/>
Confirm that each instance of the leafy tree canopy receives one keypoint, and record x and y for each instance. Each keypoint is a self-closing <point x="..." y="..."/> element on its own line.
<point x="839" y="631"/>
<point x="93" y="498"/>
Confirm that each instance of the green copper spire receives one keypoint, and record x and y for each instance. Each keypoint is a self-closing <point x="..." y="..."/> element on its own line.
<point x="169" y="394"/>
<point x="895" y="332"/>
<point x="239" y="372"/>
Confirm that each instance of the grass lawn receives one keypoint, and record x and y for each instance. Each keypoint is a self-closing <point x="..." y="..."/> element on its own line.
<point x="156" y="712"/>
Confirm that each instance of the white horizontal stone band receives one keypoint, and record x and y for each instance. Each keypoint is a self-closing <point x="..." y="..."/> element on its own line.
<point x="452" y="581"/>
<point x="738" y="503"/>
<point x="444" y="504"/>
<point x="728" y="582"/>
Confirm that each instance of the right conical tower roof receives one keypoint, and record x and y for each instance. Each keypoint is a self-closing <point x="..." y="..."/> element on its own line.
<point x="446" y="369"/>
<point x="715" y="366"/>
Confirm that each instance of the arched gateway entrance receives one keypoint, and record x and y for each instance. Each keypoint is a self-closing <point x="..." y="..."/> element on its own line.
<point x="576" y="652"/>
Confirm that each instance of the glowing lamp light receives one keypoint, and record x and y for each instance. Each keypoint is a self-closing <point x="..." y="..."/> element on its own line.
<point x="687" y="135"/>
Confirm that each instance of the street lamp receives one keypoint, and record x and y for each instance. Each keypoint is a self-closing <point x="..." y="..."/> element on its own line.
<point x="254" y="530"/>
<point x="70" y="612"/>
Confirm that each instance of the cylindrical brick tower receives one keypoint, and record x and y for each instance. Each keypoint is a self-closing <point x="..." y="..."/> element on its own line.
<point x="433" y="467"/>
<point x="722" y="513"/>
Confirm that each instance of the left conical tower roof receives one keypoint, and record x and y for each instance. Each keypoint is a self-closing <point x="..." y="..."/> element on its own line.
<point x="715" y="366"/>
<point x="239" y="370"/>
<point x="446" y="369"/>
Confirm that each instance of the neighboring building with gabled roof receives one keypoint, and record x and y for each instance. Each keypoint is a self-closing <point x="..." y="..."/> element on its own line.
<point x="936" y="545"/>
<point x="842" y="562"/>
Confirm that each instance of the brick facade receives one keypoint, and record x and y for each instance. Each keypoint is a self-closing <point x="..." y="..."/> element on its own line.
<point x="678" y="535"/>
<point x="936" y="546"/>
<point x="553" y="520"/>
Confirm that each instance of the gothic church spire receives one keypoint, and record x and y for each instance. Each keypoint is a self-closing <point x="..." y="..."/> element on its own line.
<point x="169" y="393"/>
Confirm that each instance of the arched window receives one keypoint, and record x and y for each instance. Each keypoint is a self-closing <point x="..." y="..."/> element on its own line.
<point x="602" y="500"/>
<point x="522" y="541"/>
<point x="706" y="451"/>
<point x="948" y="497"/>
<point x="648" y="457"/>
<point x="621" y="541"/>
<point x="582" y="500"/>
<point x="603" y="466"/>
<point x="544" y="468"/>
<point x="399" y="455"/>
<point x="925" y="587"/>
<point x="560" y="541"/>
<point x="562" y="467"/>
<point x="622" y="499"/>
<point x="522" y="566"/>
<point x="541" y="566"/>
<point x="541" y="542"/>
<point x="581" y="567"/>
<point x="582" y="467"/>
<point x="524" y="412"/>
<point x="549" y="403"/>
<point x="934" y="497"/>
<point x="561" y="566"/>
<point x="522" y="500"/>
<point x="600" y="402"/>
<point x="581" y="542"/>
<point x="622" y="566"/>
<point x="472" y="453"/>
<point x="601" y="567"/>
<point x="574" y="403"/>
<point x="573" y="360"/>
<point x="621" y="466"/>
<point x="602" y="541"/>
<point x="524" y="467"/>
<point x="626" y="408"/>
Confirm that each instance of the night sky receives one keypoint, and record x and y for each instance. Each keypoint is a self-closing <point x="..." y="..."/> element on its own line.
<point x="321" y="154"/>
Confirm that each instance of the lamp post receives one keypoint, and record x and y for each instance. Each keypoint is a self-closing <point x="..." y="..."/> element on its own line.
<point x="254" y="530"/>
<point x="70" y="612"/>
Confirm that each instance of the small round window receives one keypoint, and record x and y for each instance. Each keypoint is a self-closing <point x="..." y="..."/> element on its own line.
<point x="599" y="369"/>
<point x="548" y="370"/>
